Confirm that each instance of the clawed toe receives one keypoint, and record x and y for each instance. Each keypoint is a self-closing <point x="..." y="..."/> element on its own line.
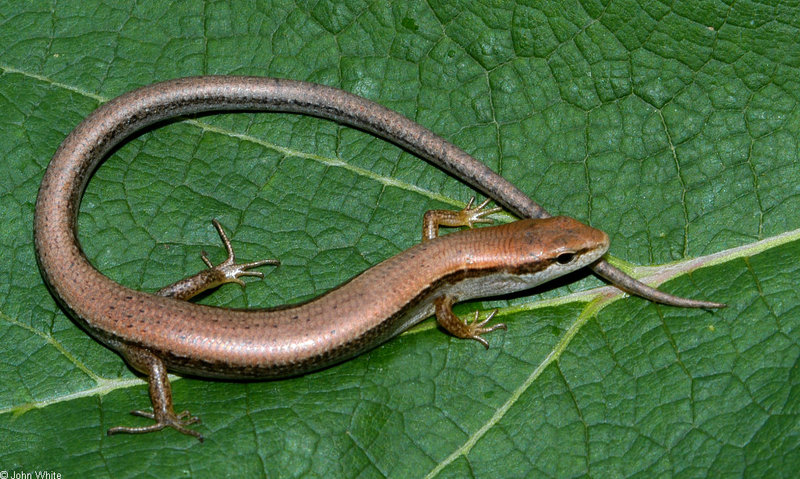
<point x="476" y="329"/>
<point x="229" y="268"/>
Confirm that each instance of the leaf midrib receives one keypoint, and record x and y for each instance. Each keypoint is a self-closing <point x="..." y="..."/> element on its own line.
<point x="596" y="299"/>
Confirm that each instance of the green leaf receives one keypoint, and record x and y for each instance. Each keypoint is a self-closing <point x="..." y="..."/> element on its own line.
<point x="673" y="127"/>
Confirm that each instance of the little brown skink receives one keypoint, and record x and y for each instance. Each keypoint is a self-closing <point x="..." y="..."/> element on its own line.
<point x="156" y="333"/>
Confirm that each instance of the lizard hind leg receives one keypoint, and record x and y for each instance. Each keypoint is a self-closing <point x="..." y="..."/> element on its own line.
<point x="160" y="395"/>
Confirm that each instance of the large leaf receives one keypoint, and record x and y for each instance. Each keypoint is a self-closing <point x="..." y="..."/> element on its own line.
<point x="672" y="127"/>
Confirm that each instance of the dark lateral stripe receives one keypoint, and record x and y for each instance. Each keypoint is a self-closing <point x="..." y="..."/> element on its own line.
<point x="370" y="339"/>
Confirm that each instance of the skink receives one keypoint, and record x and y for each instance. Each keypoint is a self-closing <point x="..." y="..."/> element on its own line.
<point x="159" y="332"/>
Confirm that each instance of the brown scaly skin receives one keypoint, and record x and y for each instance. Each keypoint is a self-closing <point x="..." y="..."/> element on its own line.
<point x="156" y="333"/>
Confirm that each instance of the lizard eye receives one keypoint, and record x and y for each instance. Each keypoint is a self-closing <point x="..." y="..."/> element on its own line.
<point x="565" y="258"/>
